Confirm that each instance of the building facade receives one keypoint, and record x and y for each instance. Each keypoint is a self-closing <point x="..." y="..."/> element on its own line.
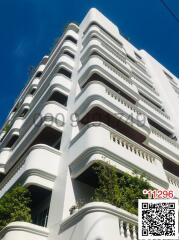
<point x="95" y="98"/>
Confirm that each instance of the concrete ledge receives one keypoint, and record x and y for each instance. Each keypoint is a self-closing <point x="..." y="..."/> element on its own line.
<point x="97" y="220"/>
<point x="23" y="231"/>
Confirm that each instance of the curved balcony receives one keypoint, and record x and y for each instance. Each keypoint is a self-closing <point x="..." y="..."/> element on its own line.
<point x="52" y="117"/>
<point x="54" y="56"/>
<point x="163" y="144"/>
<point x="96" y="94"/>
<point x="94" y="30"/>
<point x="35" y="82"/>
<point x="11" y="135"/>
<point x="66" y="60"/>
<point x="44" y="59"/>
<point x="14" y="130"/>
<point x="18" y="123"/>
<point x="62" y="82"/>
<point x="15" y="119"/>
<point x="113" y="147"/>
<point x="58" y="82"/>
<point x="99" y="220"/>
<point x="173" y="183"/>
<point x="40" y="68"/>
<point x="71" y="32"/>
<point x="23" y="230"/>
<point x="37" y="167"/>
<point x="52" y="113"/>
<point x="18" y="119"/>
<point x="48" y="66"/>
<point x="106" y="51"/>
<point x="69" y="45"/>
<point x="4" y="156"/>
<point x="97" y="65"/>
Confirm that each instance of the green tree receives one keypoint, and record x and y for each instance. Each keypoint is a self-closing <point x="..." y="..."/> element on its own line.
<point x="108" y="189"/>
<point x="121" y="190"/>
<point x="15" y="206"/>
<point x="131" y="188"/>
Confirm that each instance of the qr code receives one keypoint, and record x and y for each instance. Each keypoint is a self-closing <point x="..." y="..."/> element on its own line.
<point x="158" y="219"/>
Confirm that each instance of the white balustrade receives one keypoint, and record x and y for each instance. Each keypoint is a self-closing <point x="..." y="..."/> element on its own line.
<point x="122" y="100"/>
<point x="154" y="108"/>
<point x="117" y="72"/>
<point x="164" y="137"/>
<point x="134" y="148"/>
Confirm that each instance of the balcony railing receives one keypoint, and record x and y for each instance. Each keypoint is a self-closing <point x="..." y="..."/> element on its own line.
<point x="117" y="72"/>
<point x="95" y="30"/>
<point x="154" y="108"/>
<point x="133" y="148"/>
<point x="114" y="53"/>
<point x="164" y="137"/>
<point x="49" y="65"/>
<point x="173" y="183"/>
<point x="106" y="51"/>
<point x="142" y="68"/>
<point x="33" y="164"/>
<point x="5" y="153"/>
<point x="16" y="115"/>
<point x="115" y="76"/>
<point x="122" y="100"/>
<point x="52" y="115"/>
<point x="97" y="95"/>
<point x="137" y="67"/>
<point x="97" y="137"/>
<point x="24" y="231"/>
<point x="100" y="220"/>
<point x="148" y="86"/>
<point x="115" y="137"/>
<point x="174" y="180"/>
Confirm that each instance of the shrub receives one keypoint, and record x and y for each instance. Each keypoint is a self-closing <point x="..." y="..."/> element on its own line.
<point x="15" y="206"/>
<point x="121" y="190"/>
<point x="108" y="188"/>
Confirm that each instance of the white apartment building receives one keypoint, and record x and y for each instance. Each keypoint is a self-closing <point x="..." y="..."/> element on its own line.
<point x="75" y="111"/>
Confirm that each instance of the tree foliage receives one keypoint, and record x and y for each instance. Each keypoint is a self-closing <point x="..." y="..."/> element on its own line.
<point x="15" y="206"/>
<point x="121" y="190"/>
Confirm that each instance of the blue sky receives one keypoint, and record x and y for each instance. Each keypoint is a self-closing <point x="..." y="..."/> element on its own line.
<point x="28" y="29"/>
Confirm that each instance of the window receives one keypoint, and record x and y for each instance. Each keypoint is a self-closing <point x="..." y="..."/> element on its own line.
<point x="33" y="90"/>
<point x="49" y="136"/>
<point x="69" y="54"/>
<point x="65" y="72"/>
<point x="24" y="112"/>
<point x="70" y="38"/>
<point x="38" y="74"/>
<point x="12" y="141"/>
<point x="41" y="218"/>
<point x="58" y="97"/>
